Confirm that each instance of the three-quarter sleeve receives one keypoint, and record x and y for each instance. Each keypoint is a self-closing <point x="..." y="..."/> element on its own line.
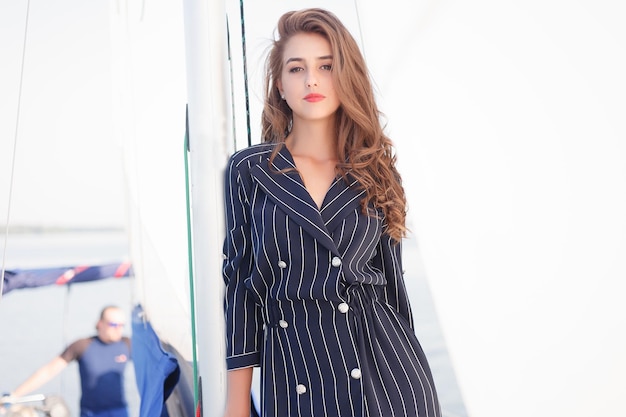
<point x="390" y="260"/>
<point x="242" y="314"/>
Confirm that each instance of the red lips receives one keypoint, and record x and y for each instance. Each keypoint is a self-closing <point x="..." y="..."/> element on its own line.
<point x="314" y="97"/>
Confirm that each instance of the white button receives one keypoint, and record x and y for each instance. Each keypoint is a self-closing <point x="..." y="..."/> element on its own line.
<point x="283" y="324"/>
<point x="355" y="373"/>
<point x="335" y="261"/>
<point x="282" y="264"/>
<point x="300" y="389"/>
<point x="343" y="307"/>
<point x="224" y="256"/>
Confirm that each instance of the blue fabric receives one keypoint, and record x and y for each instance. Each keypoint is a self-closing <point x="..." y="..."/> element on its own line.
<point x="156" y="371"/>
<point x="101" y="368"/>
<point x="38" y="277"/>
<point x="119" y="412"/>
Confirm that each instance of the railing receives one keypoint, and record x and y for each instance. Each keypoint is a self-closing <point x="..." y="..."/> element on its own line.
<point x="37" y="405"/>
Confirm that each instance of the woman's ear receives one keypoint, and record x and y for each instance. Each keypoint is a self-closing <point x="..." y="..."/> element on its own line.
<point x="279" y="85"/>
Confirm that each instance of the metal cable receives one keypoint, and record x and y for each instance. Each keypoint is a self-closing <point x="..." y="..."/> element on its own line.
<point x="14" y="153"/>
<point x="245" y="70"/>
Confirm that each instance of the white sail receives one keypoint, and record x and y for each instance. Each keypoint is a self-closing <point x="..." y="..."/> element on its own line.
<point x="149" y="99"/>
<point x="509" y="123"/>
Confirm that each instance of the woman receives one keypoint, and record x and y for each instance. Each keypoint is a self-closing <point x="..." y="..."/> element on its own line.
<point x="314" y="219"/>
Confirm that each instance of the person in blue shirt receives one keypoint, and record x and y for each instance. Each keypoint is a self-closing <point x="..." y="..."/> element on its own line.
<point x="101" y="360"/>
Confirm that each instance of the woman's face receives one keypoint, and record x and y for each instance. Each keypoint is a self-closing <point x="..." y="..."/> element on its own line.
<point x="306" y="80"/>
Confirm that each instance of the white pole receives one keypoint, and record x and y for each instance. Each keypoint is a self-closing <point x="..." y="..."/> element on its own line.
<point x="207" y="63"/>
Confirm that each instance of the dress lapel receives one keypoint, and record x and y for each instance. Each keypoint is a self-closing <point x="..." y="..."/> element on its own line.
<point x="287" y="191"/>
<point x="342" y="198"/>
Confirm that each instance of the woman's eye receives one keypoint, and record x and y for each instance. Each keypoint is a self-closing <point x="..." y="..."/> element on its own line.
<point x="327" y="67"/>
<point x="295" y="69"/>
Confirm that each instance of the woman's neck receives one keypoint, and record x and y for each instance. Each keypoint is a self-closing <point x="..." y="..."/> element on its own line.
<point x="313" y="140"/>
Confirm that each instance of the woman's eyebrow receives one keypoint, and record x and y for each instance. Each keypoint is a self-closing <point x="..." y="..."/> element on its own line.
<point x="296" y="59"/>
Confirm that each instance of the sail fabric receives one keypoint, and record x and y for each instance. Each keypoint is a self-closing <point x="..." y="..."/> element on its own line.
<point x="38" y="277"/>
<point x="156" y="371"/>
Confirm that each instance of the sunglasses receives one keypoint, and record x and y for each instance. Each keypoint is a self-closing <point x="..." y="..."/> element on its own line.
<point x="116" y="325"/>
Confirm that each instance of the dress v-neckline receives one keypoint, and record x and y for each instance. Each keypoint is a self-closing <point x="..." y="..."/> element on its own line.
<point x="292" y="161"/>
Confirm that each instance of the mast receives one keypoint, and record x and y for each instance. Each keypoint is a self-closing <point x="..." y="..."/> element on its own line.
<point x="207" y="78"/>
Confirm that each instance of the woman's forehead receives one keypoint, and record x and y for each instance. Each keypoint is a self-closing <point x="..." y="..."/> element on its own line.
<point x="307" y="45"/>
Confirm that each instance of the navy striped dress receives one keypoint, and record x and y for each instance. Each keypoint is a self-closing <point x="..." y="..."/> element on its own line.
<point x="316" y="298"/>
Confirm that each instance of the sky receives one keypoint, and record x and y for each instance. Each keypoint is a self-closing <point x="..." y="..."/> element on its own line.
<point x="66" y="170"/>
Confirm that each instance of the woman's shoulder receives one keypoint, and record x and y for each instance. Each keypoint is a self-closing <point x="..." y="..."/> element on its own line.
<point x="251" y="155"/>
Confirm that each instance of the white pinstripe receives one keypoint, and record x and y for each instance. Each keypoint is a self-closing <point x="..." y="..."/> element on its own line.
<point x="271" y="218"/>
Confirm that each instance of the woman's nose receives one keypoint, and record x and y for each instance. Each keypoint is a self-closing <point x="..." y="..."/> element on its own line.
<point x="311" y="81"/>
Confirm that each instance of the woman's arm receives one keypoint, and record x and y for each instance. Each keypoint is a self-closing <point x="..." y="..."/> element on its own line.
<point x="239" y="383"/>
<point x="244" y="324"/>
<point x="389" y="259"/>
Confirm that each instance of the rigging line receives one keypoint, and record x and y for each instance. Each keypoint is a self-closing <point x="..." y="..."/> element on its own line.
<point x="232" y="85"/>
<point x="245" y="70"/>
<point x="190" y="259"/>
<point x="12" y="176"/>
<point x="358" y="20"/>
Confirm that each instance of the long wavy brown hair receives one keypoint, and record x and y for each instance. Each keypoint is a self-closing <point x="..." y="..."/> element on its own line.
<point x="363" y="148"/>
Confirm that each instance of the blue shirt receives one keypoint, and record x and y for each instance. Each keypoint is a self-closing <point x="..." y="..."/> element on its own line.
<point x="101" y="367"/>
